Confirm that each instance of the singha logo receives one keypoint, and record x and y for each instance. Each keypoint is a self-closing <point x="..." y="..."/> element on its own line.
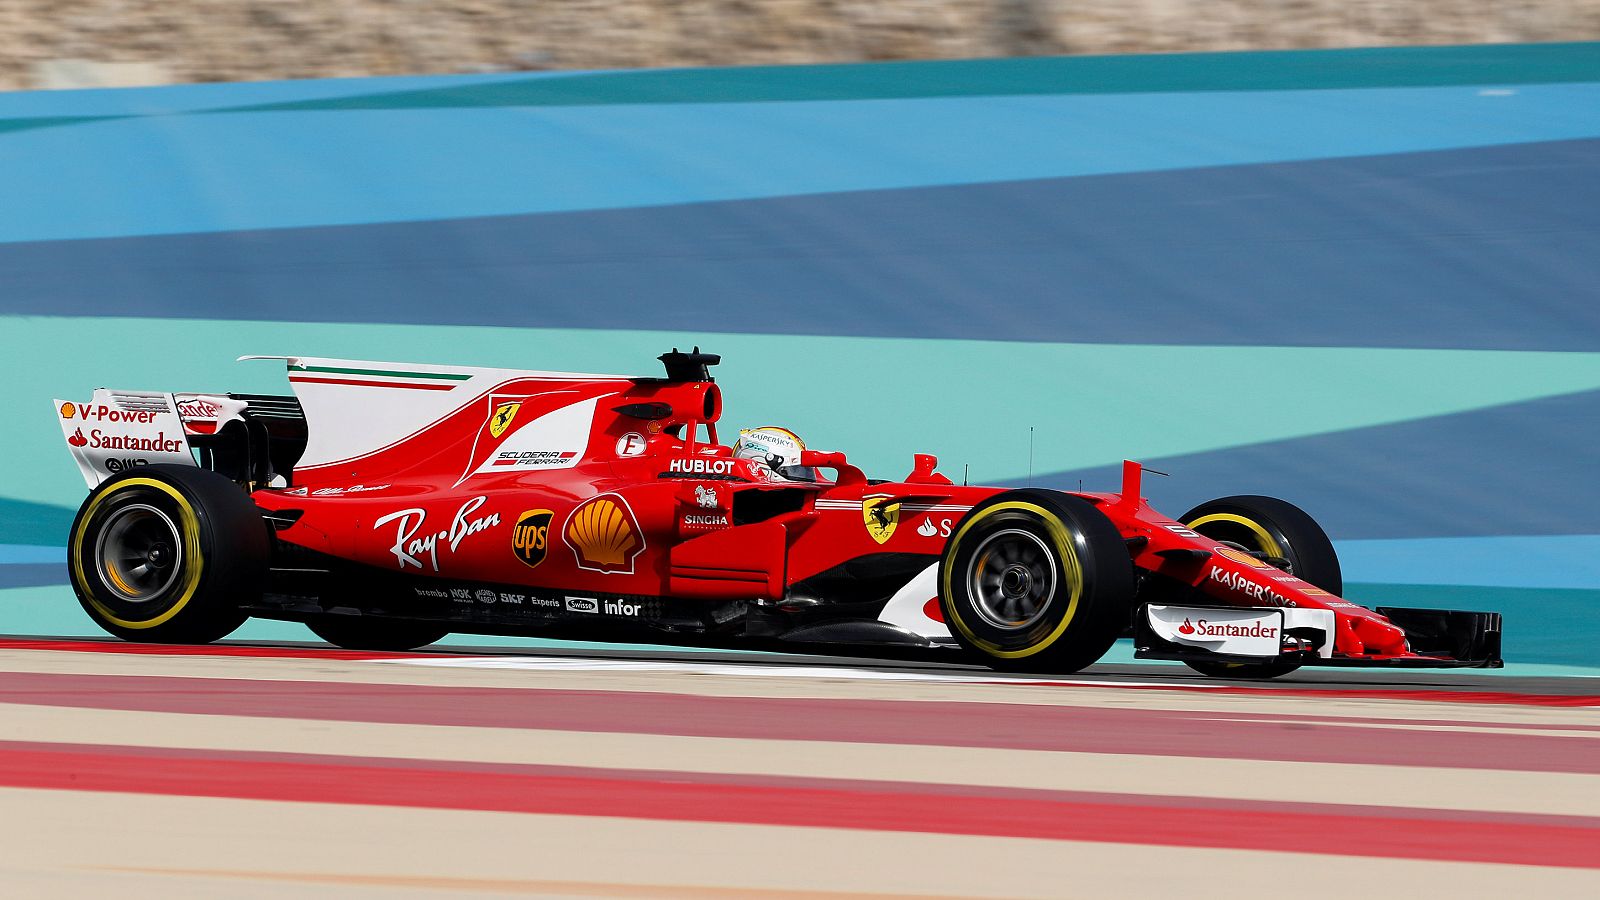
<point x="705" y="496"/>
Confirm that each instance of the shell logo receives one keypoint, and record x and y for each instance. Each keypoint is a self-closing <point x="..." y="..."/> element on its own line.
<point x="604" y="535"/>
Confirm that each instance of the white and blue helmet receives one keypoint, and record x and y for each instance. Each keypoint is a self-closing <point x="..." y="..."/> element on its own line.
<point x="777" y="448"/>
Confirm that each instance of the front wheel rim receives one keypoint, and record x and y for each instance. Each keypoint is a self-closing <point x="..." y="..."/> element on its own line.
<point x="1011" y="579"/>
<point x="139" y="553"/>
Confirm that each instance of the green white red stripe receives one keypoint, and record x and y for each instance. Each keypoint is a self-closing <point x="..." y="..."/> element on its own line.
<point x="412" y="379"/>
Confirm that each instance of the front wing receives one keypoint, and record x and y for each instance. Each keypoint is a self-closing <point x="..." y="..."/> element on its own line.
<point x="1259" y="635"/>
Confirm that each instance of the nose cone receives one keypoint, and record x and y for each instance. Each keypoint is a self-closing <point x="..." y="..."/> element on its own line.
<point x="1380" y="636"/>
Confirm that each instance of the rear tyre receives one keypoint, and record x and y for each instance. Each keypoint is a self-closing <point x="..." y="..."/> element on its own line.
<point x="167" y="554"/>
<point x="1273" y="528"/>
<point x="1036" y="580"/>
<point x="363" y="633"/>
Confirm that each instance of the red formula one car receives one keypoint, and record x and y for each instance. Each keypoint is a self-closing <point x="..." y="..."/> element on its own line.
<point x="388" y="505"/>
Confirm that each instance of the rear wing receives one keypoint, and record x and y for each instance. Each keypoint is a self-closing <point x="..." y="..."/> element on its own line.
<point x="345" y="410"/>
<point x="253" y="439"/>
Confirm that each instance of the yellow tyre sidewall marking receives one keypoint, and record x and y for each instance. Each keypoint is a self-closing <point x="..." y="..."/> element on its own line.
<point x="193" y="564"/>
<point x="1072" y="575"/>
<point x="1269" y="544"/>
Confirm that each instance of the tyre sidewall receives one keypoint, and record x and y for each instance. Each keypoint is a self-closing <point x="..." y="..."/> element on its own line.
<point x="224" y="555"/>
<point x="1298" y="536"/>
<point x="1084" y="615"/>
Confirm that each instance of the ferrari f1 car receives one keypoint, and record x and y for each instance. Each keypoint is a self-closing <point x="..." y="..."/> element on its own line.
<point x="386" y="506"/>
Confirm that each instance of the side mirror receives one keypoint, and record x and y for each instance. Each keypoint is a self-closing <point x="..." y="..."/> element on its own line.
<point x="833" y="459"/>
<point x="923" y="466"/>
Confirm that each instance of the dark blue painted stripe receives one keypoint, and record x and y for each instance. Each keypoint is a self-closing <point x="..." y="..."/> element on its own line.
<point x="1524" y="468"/>
<point x="32" y="575"/>
<point x="1480" y="248"/>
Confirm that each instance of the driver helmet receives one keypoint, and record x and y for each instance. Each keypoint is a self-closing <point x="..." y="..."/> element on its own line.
<point x="778" y="449"/>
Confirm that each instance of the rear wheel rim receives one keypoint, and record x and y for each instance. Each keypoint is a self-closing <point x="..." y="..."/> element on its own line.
<point x="1011" y="578"/>
<point x="139" y="553"/>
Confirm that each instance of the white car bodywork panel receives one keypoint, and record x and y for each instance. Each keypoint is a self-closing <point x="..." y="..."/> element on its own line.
<point x="909" y="607"/>
<point x="356" y="407"/>
<point x="118" y="430"/>
<point x="1246" y="631"/>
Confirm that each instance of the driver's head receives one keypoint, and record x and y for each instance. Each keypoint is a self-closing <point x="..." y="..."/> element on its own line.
<point x="776" y="448"/>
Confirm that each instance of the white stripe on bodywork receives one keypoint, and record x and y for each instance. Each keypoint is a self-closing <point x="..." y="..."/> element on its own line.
<point x="904" y="507"/>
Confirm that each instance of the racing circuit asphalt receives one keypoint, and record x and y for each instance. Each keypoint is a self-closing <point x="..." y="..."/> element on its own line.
<point x="287" y="768"/>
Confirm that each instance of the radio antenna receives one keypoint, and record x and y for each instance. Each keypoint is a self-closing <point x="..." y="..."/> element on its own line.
<point x="1030" y="456"/>
<point x="964" y="469"/>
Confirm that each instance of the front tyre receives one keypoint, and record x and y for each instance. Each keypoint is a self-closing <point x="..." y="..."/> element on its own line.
<point x="1275" y="529"/>
<point x="1036" y="580"/>
<point x="1279" y="531"/>
<point x="167" y="554"/>
<point x="364" y="633"/>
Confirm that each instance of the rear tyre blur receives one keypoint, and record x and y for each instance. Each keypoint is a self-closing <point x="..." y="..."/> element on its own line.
<point x="167" y="554"/>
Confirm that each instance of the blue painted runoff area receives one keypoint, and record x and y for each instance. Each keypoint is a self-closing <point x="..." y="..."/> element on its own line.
<point x="1491" y="248"/>
<point x="177" y="174"/>
<point x="1515" y="469"/>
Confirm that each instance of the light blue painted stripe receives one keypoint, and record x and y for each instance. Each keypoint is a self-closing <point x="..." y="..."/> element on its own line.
<point x="222" y="172"/>
<point x="1560" y="561"/>
<point x="31" y="553"/>
<point x="1534" y="670"/>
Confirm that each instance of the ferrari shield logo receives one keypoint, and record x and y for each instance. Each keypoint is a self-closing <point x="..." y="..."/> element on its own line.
<point x="501" y="419"/>
<point x="881" y="514"/>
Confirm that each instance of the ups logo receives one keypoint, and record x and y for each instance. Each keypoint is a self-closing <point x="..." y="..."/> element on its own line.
<point x="530" y="540"/>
